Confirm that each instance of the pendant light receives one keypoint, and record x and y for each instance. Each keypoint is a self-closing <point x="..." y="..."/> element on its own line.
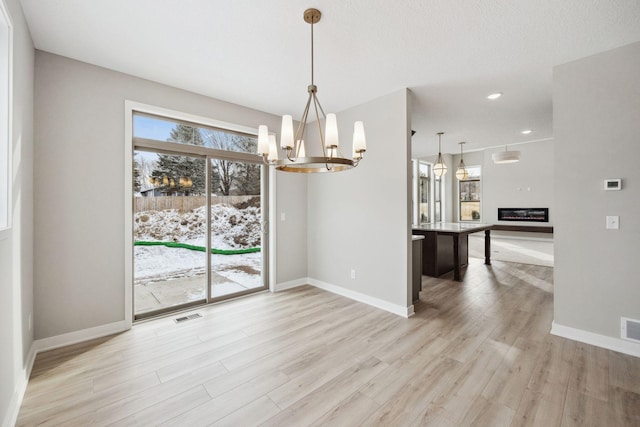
<point x="439" y="169"/>
<point x="502" y="157"/>
<point x="461" y="172"/>
<point x="332" y="159"/>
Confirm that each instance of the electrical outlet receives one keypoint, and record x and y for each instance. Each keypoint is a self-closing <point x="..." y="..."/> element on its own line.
<point x="353" y="273"/>
<point x="613" y="222"/>
<point x="282" y="216"/>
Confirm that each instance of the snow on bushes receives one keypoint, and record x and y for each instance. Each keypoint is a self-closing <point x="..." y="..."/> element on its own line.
<point x="231" y="227"/>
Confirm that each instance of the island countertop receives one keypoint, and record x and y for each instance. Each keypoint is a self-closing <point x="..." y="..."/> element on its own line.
<point x="452" y="227"/>
<point x="445" y="246"/>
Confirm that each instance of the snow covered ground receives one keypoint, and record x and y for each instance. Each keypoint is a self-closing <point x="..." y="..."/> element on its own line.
<point x="231" y="228"/>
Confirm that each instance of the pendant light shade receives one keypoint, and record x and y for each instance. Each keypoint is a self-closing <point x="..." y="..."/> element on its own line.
<point x="461" y="172"/>
<point x="440" y="168"/>
<point x="502" y="157"/>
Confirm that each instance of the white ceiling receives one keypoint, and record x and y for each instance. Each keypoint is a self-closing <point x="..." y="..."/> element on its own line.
<point x="450" y="53"/>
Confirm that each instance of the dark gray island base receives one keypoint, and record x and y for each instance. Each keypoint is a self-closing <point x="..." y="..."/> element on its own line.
<point x="445" y="247"/>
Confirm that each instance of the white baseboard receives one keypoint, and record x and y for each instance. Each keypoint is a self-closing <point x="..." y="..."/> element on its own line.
<point x="610" y="343"/>
<point x="21" y="388"/>
<point x="49" y="344"/>
<point x="360" y="297"/>
<point x="291" y="284"/>
<point x="75" y="337"/>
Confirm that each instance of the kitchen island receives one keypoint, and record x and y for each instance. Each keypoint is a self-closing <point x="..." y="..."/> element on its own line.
<point x="445" y="246"/>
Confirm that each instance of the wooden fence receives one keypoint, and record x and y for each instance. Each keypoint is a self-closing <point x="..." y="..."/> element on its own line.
<point x="182" y="203"/>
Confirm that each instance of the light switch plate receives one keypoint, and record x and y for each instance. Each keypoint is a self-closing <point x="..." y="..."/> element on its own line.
<point x="613" y="222"/>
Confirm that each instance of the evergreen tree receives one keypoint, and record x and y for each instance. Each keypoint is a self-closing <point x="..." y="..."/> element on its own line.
<point x="180" y="170"/>
<point x="227" y="177"/>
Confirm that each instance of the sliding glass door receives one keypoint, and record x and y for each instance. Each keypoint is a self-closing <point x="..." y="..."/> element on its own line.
<point x="236" y="228"/>
<point x="169" y="226"/>
<point x="198" y="226"/>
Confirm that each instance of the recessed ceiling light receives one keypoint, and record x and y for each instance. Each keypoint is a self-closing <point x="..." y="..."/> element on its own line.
<point x="494" y="96"/>
<point x="526" y="131"/>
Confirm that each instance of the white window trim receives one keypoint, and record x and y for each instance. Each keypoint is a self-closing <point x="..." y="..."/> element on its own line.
<point x="129" y="108"/>
<point x="6" y="145"/>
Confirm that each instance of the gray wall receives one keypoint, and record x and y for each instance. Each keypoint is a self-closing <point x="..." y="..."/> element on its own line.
<point x="16" y="247"/>
<point x="596" y="102"/>
<point x="528" y="183"/>
<point x="361" y="218"/>
<point x="79" y="181"/>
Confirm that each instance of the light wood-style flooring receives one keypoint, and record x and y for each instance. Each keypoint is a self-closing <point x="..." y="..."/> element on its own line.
<point x="476" y="353"/>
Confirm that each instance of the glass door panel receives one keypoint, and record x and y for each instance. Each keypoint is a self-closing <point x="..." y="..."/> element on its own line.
<point x="169" y="228"/>
<point x="236" y="228"/>
<point x="424" y="190"/>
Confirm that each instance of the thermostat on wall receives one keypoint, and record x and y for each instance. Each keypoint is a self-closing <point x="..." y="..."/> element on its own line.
<point x="613" y="184"/>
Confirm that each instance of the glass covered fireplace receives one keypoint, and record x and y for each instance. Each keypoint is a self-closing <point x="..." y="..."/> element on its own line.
<point x="523" y="214"/>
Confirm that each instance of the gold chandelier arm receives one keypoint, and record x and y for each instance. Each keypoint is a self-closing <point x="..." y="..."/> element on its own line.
<point x="315" y="105"/>
<point x="318" y="106"/>
<point x="299" y="135"/>
<point x="303" y="120"/>
<point x="324" y="150"/>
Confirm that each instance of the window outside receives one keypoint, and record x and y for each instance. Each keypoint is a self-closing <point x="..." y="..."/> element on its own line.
<point x="423" y="190"/>
<point x="469" y="191"/>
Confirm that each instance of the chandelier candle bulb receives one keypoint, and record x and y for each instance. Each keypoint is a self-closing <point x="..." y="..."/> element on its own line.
<point x="359" y="140"/>
<point x="286" y="134"/>
<point x="263" y="140"/>
<point x="331" y="132"/>
<point x="273" y="148"/>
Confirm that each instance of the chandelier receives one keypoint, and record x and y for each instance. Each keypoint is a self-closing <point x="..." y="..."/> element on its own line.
<point x="332" y="159"/>
<point x="440" y="168"/>
<point x="461" y="172"/>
